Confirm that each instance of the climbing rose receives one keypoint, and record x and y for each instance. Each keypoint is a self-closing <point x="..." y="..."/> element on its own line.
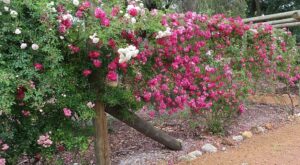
<point x="86" y="72"/>
<point x="133" y="12"/>
<point x="4" y="147"/>
<point x="45" y="141"/>
<point x="112" y="76"/>
<point x="67" y="112"/>
<point x="38" y="66"/>
<point x="25" y="113"/>
<point x="2" y="161"/>
<point x="97" y="63"/>
<point x="94" y="54"/>
<point x="99" y="13"/>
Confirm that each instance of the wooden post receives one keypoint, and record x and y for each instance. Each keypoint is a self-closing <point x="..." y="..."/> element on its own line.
<point x="101" y="131"/>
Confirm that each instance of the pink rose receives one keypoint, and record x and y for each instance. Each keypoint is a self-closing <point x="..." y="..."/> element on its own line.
<point x="133" y="12"/>
<point x="112" y="76"/>
<point x="4" y="147"/>
<point x="2" y="161"/>
<point x="99" y="13"/>
<point x="94" y="54"/>
<point x="97" y="63"/>
<point x="67" y="112"/>
<point x="86" y="72"/>
<point x="38" y="66"/>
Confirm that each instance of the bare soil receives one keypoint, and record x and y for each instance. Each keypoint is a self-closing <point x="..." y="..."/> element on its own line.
<point x="278" y="147"/>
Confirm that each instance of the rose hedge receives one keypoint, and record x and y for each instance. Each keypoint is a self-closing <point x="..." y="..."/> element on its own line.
<point x="50" y="54"/>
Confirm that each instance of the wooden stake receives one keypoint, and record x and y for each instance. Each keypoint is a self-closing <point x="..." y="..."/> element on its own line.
<point x="101" y="142"/>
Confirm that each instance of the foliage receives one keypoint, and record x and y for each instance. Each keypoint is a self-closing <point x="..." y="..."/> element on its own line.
<point x="58" y="59"/>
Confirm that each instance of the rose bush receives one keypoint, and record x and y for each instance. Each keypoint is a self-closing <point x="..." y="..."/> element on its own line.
<point x="57" y="58"/>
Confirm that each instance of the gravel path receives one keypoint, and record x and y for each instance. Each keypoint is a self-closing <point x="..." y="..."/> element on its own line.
<point x="278" y="147"/>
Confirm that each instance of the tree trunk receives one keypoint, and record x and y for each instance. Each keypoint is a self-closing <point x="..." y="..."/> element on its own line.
<point x="101" y="131"/>
<point x="144" y="127"/>
<point x="258" y="7"/>
<point x="189" y="5"/>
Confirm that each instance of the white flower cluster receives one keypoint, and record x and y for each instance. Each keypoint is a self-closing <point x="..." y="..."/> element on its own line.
<point x="51" y="7"/>
<point x="75" y="2"/>
<point x="133" y="4"/>
<point x="17" y="31"/>
<point x="12" y="13"/>
<point x="127" y="53"/>
<point x="162" y="34"/>
<point x="94" y="38"/>
<point x="6" y="1"/>
<point x="90" y="105"/>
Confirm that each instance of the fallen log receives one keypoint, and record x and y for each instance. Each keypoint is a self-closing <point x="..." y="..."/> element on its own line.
<point x="144" y="127"/>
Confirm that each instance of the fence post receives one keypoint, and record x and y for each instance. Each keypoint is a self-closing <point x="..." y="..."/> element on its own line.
<point x="101" y="131"/>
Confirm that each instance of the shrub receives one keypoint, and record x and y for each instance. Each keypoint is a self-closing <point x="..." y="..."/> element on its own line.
<point x="57" y="59"/>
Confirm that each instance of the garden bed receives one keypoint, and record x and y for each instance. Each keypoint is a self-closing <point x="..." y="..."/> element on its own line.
<point x="131" y="147"/>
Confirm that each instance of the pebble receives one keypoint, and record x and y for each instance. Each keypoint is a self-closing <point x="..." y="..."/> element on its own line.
<point x="247" y="134"/>
<point x="269" y="126"/>
<point x="209" y="148"/>
<point x="238" y="138"/>
<point x="190" y="156"/>
<point x="195" y="153"/>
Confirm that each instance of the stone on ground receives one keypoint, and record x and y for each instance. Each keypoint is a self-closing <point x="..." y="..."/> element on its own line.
<point x="190" y="156"/>
<point x="209" y="148"/>
<point x="247" y="134"/>
<point x="227" y="141"/>
<point x="238" y="138"/>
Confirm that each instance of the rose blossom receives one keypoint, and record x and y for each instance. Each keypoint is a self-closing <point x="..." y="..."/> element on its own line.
<point x="86" y="72"/>
<point x="38" y="66"/>
<point x="67" y="112"/>
<point x="4" y="147"/>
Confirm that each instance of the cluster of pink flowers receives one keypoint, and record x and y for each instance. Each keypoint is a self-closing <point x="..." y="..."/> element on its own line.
<point x="4" y="147"/>
<point x="186" y="74"/>
<point x="2" y="161"/>
<point x="67" y="112"/>
<point x="45" y="141"/>
<point x="82" y="8"/>
<point x="100" y="14"/>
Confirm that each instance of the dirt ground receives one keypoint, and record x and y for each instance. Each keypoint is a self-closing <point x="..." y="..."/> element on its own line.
<point x="278" y="147"/>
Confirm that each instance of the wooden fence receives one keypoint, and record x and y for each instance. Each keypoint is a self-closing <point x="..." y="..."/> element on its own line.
<point x="279" y="20"/>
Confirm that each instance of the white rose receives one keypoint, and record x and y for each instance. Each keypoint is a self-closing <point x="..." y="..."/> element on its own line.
<point x="34" y="46"/>
<point x="127" y="16"/>
<point x="6" y="8"/>
<point x="133" y="20"/>
<point x="6" y="1"/>
<point x="61" y="37"/>
<point x="17" y="31"/>
<point x="53" y="9"/>
<point x="23" y="45"/>
<point x="13" y="13"/>
<point x="90" y="105"/>
<point x="75" y="2"/>
<point x="95" y="40"/>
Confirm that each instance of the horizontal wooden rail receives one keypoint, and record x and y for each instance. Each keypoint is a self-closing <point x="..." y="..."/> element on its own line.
<point x="291" y="14"/>
<point x="293" y="24"/>
<point x="281" y="21"/>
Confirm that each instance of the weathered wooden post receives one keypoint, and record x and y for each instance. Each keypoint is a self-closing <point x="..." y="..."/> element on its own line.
<point x="101" y="135"/>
